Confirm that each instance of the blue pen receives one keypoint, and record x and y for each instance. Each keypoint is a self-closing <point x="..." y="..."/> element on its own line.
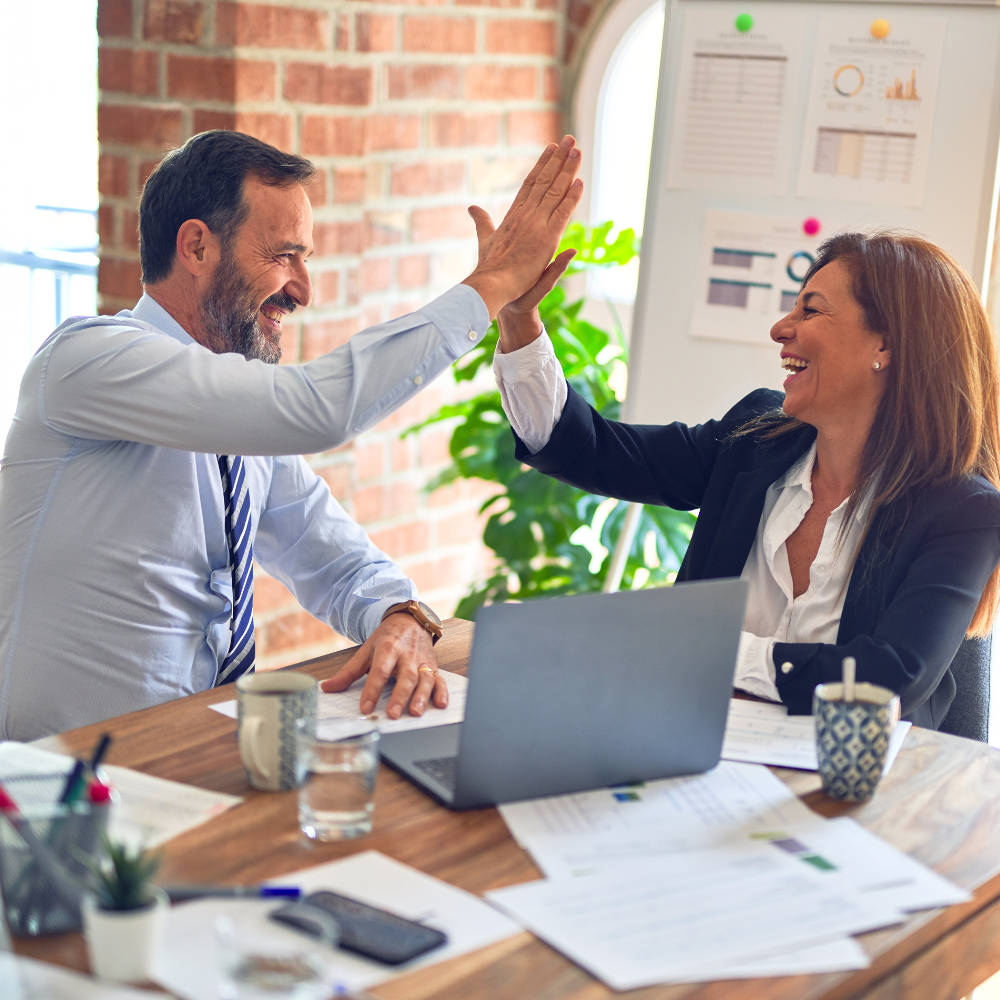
<point x="181" y="893"/>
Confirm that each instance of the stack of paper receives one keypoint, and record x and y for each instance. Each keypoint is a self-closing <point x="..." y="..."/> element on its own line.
<point x="338" y="714"/>
<point x="714" y="876"/>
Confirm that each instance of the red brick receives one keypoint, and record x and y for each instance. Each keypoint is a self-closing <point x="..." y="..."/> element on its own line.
<point x="266" y="26"/>
<point x="114" y="18"/>
<point x="552" y="87"/>
<point x="384" y="132"/>
<point x="354" y="289"/>
<point x="403" y="309"/>
<point x="289" y="631"/>
<point x="316" y="189"/>
<point x="375" y="33"/>
<point x="424" y="3"/>
<point x="338" y="477"/>
<point x="173" y="21"/>
<point x="128" y="71"/>
<point x="492" y="175"/>
<point x="403" y="539"/>
<point x="464" y="130"/>
<point x="372" y="315"/>
<point x="374" y="503"/>
<point x="376" y="274"/>
<point x="327" y="287"/>
<point x="139" y="126"/>
<point x="106" y="226"/>
<point x="369" y="460"/>
<point x="434" y="447"/>
<point x="414" y="179"/>
<point x="324" y="136"/>
<point x="489" y="3"/>
<point x="269" y="594"/>
<point x="384" y="229"/>
<point x="402" y="452"/>
<point x="413" y="271"/>
<point x="500" y="83"/>
<point x="112" y="175"/>
<point x="436" y="574"/>
<point x="146" y="167"/>
<point x="316" y="83"/>
<point x="273" y="129"/>
<point x="547" y="4"/>
<point x="530" y="128"/>
<point x="578" y="12"/>
<point x="439" y="34"/>
<point x="342" y="33"/>
<point x="446" y="223"/>
<point x="459" y="529"/>
<point x="220" y="79"/>
<point x="130" y="229"/>
<point x="119" y="278"/>
<point x="423" y="82"/>
<point x="516" y="36"/>
<point x="332" y="239"/>
<point x="348" y="186"/>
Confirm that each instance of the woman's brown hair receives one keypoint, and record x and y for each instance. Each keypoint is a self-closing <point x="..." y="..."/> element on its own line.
<point x="939" y="417"/>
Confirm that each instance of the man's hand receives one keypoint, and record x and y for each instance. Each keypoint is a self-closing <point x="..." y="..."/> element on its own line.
<point x="513" y="256"/>
<point x="519" y="321"/>
<point x="398" y="647"/>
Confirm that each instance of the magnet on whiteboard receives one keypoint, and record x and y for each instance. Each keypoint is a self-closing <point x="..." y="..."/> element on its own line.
<point x="880" y="28"/>
<point x="744" y="22"/>
<point x="811" y="226"/>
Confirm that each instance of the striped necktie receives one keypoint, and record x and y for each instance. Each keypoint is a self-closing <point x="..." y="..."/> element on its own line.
<point x="239" y="660"/>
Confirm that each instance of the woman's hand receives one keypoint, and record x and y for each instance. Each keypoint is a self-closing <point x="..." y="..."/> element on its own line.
<point x="519" y="321"/>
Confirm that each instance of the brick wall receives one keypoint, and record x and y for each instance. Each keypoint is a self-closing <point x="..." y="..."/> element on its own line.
<point x="412" y="111"/>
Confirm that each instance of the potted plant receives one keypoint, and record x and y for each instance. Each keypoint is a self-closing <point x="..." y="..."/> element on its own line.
<point x="123" y="914"/>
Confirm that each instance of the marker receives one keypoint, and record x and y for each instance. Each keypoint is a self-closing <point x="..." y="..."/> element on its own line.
<point x="99" y="751"/>
<point x="181" y="893"/>
<point x="74" y="783"/>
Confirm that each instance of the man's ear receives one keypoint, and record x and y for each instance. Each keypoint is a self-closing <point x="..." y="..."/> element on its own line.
<point x="197" y="248"/>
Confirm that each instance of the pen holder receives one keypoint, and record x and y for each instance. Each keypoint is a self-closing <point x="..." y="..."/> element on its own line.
<point x="43" y="876"/>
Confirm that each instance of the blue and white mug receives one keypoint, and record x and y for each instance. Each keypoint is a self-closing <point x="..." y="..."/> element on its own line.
<point x="852" y="738"/>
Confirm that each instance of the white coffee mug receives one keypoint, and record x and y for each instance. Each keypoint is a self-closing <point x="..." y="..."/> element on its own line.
<point x="270" y="707"/>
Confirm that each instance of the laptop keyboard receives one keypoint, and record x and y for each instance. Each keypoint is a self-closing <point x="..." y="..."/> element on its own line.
<point x="444" y="770"/>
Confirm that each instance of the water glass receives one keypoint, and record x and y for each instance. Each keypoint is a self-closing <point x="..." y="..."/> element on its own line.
<point x="337" y="798"/>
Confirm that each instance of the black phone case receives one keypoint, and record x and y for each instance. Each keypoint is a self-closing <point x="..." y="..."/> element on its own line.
<point x="366" y="929"/>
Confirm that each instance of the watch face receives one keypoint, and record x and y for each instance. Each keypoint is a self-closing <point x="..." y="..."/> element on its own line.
<point x="430" y="614"/>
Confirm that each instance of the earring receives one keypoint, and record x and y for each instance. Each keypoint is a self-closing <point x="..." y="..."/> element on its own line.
<point x="200" y="254"/>
<point x="876" y="366"/>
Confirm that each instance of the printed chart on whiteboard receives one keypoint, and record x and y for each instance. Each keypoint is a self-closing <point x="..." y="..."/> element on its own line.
<point x="871" y="108"/>
<point x="732" y="122"/>
<point x="752" y="268"/>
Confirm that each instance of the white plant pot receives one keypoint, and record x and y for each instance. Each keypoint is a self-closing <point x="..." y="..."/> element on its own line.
<point x="123" y="944"/>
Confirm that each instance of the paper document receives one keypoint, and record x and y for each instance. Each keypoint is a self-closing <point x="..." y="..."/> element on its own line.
<point x="736" y="95"/>
<point x="871" y="108"/>
<point x="152" y="810"/>
<point x="752" y="266"/>
<point x="761" y="733"/>
<point x="188" y="963"/>
<point x="27" y="979"/>
<point x="336" y="712"/>
<point x="688" y="915"/>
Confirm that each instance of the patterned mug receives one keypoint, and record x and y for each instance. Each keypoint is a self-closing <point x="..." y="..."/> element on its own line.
<point x="852" y="738"/>
<point x="275" y="710"/>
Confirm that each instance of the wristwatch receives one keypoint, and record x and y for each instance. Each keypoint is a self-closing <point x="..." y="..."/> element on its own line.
<point x="424" y="616"/>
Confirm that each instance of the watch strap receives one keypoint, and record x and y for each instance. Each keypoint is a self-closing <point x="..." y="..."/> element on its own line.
<point x="414" y="609"/>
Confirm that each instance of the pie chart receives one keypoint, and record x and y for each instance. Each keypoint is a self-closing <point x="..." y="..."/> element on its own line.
<point x="848" y="81"/>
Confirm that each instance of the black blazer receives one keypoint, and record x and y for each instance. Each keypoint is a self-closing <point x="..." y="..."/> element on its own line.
<point x="907" y="606"/>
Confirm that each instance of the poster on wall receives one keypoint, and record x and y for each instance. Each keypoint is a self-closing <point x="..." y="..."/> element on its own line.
<point x="735" y="102"/>
<point x="871" y="108"/>
<point x="751" y="270"/>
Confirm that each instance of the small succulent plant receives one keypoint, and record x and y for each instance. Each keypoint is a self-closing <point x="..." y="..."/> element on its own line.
<point x="122" y="882"/>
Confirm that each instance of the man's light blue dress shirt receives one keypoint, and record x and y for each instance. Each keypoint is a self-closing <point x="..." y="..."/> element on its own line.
<point x="115" y="586"/>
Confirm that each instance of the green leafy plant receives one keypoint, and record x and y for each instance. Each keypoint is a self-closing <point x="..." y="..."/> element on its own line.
<point x="550" y="538"/>
<point x="123" y="881"/>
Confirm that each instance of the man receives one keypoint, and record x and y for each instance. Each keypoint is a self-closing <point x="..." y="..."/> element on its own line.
<point x="148" y="462"/>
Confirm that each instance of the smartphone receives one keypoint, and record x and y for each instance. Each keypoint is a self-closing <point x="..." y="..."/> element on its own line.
<point x="366" y="929"/>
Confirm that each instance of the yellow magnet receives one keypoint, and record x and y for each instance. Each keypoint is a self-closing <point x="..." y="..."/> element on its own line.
<point x="880" y="28"/>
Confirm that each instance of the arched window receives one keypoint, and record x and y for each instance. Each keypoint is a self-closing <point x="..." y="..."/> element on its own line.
<point x="613" y="112"/>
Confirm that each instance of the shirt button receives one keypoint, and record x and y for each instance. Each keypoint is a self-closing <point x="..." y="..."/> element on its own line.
<point x="787" y="667"/>
<point x="473" y="335"/>
<point x="418" y="380"/>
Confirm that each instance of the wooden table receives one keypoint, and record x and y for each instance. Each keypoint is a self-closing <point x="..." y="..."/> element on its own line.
<point x="940" y="803"/>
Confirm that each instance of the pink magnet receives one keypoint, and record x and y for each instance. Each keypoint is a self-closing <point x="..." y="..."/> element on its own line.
<point x="811" y="226"/>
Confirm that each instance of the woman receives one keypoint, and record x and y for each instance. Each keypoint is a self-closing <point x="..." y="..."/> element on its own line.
<point x="861" y="505"/>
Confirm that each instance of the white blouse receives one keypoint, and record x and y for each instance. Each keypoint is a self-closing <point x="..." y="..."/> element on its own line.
<point x="533" y="391"/>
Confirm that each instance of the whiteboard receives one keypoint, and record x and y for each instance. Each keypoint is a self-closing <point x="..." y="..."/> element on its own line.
<point x="675" y="375"/>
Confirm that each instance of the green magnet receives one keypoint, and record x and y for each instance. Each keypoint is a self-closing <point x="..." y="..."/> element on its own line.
<point x="744" y="22"/>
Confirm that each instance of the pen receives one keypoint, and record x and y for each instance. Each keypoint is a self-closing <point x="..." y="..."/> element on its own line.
<point x="99" y="751"/>
<point x="181" y="893"/>
<point x="71" y="787"/>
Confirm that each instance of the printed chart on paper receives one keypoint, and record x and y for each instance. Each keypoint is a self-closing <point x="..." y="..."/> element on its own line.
<point x="732" y="127"/>
<point x="871" y="109"/>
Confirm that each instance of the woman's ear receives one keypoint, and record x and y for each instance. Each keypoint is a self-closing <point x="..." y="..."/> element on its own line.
<point x="881" y="357"/>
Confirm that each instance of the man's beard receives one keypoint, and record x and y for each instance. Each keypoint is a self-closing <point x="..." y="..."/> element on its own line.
<point x="231" y="318"/>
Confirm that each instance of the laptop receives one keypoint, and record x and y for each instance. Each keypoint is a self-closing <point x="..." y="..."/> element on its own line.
<point x="572" y="693"/>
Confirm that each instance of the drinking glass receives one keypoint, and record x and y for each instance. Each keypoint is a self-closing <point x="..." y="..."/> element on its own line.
<point x="337" y="798"/>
